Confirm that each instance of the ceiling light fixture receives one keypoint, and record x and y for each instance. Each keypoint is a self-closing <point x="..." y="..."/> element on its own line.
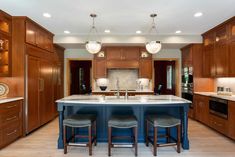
<point x="198" y="14"/>
<point x="93" y="46"/>
<point x="138" y="32"/>
<point x="178" y="32"/>
<point x="67" y="32"/>
<point x="47" y="15"/>
<point x="153" y="46"/>
<point x="107" y="31"/>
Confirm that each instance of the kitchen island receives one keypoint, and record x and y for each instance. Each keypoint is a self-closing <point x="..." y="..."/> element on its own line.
<point x="105" y="106"/>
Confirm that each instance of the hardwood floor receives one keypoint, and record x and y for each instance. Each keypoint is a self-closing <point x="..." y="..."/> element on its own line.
<point x="204" y="142"/>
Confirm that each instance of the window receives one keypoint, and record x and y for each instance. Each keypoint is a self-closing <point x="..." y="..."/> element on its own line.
<point x="169" y="76"/>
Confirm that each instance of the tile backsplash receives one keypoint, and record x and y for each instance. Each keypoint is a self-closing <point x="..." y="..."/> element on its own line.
<point x="226" y="82"/>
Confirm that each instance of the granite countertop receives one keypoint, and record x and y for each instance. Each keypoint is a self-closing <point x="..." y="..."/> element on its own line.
<point x="129" y="91"/>
<point x="10" y="99"/>
<point x="214" y="94"/>
<point x="143" y="99"/>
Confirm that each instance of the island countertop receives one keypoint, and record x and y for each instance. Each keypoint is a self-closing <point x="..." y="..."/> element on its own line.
<point x="140" y="99"/>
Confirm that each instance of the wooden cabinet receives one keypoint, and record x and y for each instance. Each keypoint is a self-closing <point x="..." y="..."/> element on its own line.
<point x="231" y="117"/>
<point x="38" y="36"/>
<point x="100" y="70"/>
<point x="208" y="55"/>
<point x="219" y="124"/>
<point x="218" y="56"/>
<point x="10" y="122"/>
<point x="221" y="52"/>
<point x="5" y="44"/>
<point x="201" y="104"/>
<point x="122" y="53"/>
<point x="145" y="68"/>
<point x="232" y="49"/>
<point x="187" y="56"/>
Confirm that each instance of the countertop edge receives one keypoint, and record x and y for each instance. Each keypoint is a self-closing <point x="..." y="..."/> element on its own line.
<point x="6" y="100"/>
<point x="214" y="94"/>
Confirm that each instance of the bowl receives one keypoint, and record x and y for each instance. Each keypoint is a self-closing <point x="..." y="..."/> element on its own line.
<point x="103" y="88"/>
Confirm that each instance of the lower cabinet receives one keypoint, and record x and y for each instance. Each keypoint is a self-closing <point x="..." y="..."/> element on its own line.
<point x="10" y="122"/>
<point x="231" y="119"/>
<point x="201" y="104"/>
<point x="222" y="125"/>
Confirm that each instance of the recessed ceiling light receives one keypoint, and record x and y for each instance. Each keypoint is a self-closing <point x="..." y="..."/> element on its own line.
<point x="107" y="31"/>
<point x="67" y="32"/>
<point x="178" y="32"/>
<point x="138" y="32"/>
<point x="198" y="14"/>
<point x="47" y="15"/>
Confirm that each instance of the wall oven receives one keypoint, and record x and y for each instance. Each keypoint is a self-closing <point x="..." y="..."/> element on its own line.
<point x="218" y="107"/>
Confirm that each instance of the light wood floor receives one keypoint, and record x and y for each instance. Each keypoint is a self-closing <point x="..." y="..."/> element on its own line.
<point x="204" y="142"/>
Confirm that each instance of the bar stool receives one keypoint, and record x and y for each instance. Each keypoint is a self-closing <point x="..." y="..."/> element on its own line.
<point x="80" y="121"/>
<point x="163" y="121"/>
<point x="123" y="122"/>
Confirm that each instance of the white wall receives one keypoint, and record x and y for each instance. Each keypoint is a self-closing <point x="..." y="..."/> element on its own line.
<point x="83" y="54"/>
<point x="225" y="82"/>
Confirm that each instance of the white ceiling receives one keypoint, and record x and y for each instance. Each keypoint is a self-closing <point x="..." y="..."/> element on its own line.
<point x="123" y="17"/>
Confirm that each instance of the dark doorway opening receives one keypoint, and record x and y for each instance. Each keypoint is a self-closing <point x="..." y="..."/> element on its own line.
<point x="80" y="77"/>
<point x="164" y="77"/>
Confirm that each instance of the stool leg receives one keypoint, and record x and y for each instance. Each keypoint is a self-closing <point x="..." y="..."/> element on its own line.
<point x="136" y="140"/>
<point x="109" y="140"/>
<point x="90" y="140"/>
<point x="73" y="134"/>
<point x="178" y="138"/>
<point x="168" y="133"/>
<point x="155" y="142"/>
<point x="95" y="132"/>
<point x="146" y="133"/>
<point x="65" y="141"/>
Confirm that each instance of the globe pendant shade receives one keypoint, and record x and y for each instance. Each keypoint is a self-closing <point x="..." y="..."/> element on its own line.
<point x="153" y="47"/>
<point x="93" y="46"/>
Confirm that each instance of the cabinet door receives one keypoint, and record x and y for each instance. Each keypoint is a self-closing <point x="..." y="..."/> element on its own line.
<point x="99" y="68"/>
<point x="232" y="30"/>
<point x="145" y="68"/>
<point x="208" y="55"/>
<point x="232" y="58"/>
<point x="5" y="23"/>
<point x="114" y="53"/>
<point x="187" y="56"/>
<point x="231" y="117"/>
<point x="201" y="103"/>
<point x="131" y="53"/>
<point x="46" y="91"/>
<point x="40" y="38"/>
<point x="221" y="52"/>
<point x="31" y="33"/>
<point x="33" y="120"/>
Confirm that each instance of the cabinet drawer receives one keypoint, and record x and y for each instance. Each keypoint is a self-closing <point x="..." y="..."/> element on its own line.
<point x="9" y="117"/>
<point x="14" y="106"/>
<point x="11" y="133"/>
<point x="219" y="124"/>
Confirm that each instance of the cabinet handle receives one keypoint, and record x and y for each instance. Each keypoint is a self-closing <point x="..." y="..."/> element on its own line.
<point x="11" y="118"/>
<point x="11" y="106"/>
<point x="41" y="85"/>
<point x="11" y="133"/>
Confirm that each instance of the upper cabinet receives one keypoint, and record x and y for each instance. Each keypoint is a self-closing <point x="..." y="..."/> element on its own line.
<point x="122" y="53"/>
<point x="5" y="44"/>
<point x="218" y="48"/>
<point x="38" y="36"/>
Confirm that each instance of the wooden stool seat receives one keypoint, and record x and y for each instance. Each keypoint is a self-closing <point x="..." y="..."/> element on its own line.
<point x="122" y="122"/>
<point x="80" y="121"/>
<point x="163" y="121"/>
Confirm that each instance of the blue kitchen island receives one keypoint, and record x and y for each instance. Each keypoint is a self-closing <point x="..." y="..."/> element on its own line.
<point x="140" y="106"/>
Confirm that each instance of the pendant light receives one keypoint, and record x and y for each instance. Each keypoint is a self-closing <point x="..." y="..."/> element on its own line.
<point x="153" y="46"/>
<point x="93" y="46"/>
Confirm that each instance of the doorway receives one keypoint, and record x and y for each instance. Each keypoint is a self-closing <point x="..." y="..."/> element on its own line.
<point x="165" y="76"/>
<point x="80" y="73"/>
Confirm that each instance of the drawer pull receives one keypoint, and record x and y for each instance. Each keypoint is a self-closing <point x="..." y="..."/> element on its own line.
<point x="14" y="117"/>
<point x="11" y="133"/>
<point x="11" y="106"/>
